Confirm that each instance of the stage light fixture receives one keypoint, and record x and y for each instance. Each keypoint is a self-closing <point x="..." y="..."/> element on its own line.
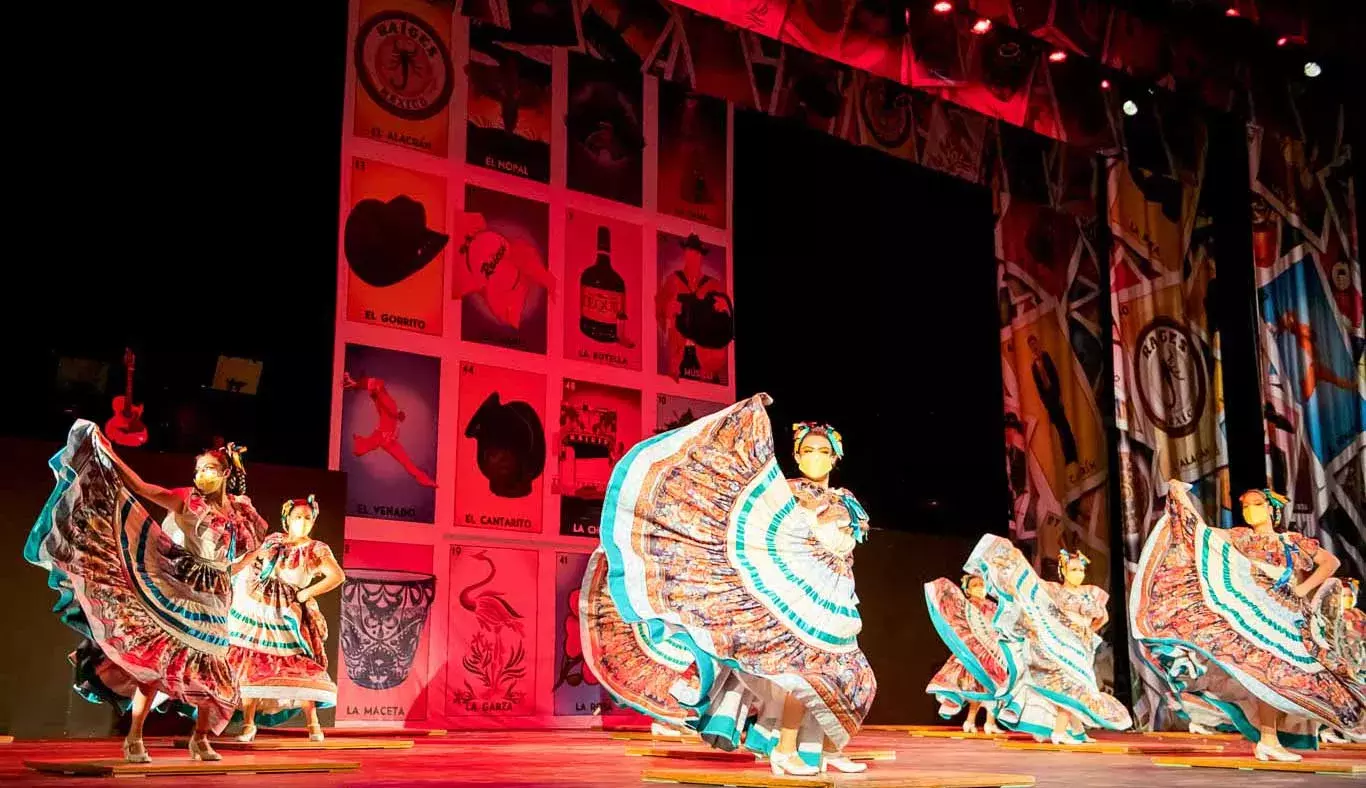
<point x="942" y="7"/>
<point x="1232" y="11"/>
<point x="981" y="27"/>
<point x="1130" y="108"/>
<point x="1057" y="56"/>
<point x="1312" y="69"/>
<point x="1105" y="84"/>
<point x="1282" y="41"/>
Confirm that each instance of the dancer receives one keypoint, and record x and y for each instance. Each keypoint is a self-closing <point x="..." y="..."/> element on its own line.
<point x="385" y="435"/>
<point x="151" y="599"/>
<point x="722" y="597"/>
<point x="1047" y="633"/>
<point x="1241" y="618"/>
<point x="278" y="633"/>
<point x="1352" y="635"/>
<point x="966" y="613"/>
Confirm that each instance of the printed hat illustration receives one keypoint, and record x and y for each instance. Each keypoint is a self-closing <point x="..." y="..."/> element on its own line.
<point x="693" y="242"/>
<point x="511" y="446"/>
<point x="386" y="242"/>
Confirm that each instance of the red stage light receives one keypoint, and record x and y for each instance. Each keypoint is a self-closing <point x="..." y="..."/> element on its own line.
<point x="941" y="7"/>
<point x="1282" y="41"/>
<point x="1057" y="56"/>
<point x="1105" y="84"/>
<point x="981" y="27"/>
<point x="1232" y="11"/>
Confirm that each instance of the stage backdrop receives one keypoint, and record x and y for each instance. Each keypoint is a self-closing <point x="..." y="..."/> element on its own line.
<point x="36" y="700"/>
<point x="1169" y="406"/>
<point x="1308" y="268"/>
<point x="520" y="226"/>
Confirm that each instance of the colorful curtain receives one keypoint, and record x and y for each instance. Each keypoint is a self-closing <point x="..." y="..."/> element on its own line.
<point x="1308" y="269"/>
<point x="1168" y="383"/>
<point x="1052" y="349"/>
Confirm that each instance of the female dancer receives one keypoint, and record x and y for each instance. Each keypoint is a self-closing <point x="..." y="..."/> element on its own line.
<point x="968" y="613"/>
<point x="1239" y="618"/>
<point x="278" y="633"/>
<point x="1350" y="633"/>
<point x="151" y="599"/>
<point x="723" y="595"/>
<point x="1047" y="635"/>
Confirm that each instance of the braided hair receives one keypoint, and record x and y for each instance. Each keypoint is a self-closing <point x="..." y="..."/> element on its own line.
<point x="229" y="455"/>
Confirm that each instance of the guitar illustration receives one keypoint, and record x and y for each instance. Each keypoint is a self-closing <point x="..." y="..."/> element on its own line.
<point x="125" y="427"/>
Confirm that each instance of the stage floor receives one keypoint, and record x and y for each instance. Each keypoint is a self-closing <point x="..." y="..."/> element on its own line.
<point x="525" y="759"/>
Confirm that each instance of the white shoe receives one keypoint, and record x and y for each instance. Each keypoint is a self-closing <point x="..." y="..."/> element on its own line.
<point x="315" y="733"/>
<point x="970" y="726"/>
<point x="1199" y="730"/>
<point x="134" y="751"/>
<point x="1060" y="738"/>
<point x="1275" y="752"/>
<point x="991" y="729"/>
<point x="248" y="733"/>
<point x="839" y="763"/>
<point x="789" y="763"/>
<point x="201" y="750"/>
<point x="663" y="730"/>
<point x="1330" y="736"/>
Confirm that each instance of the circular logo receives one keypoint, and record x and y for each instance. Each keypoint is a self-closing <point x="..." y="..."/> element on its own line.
<point x="1169" y="372"/>
<point x="886" y="113"/>
<point x="403" y="65"/>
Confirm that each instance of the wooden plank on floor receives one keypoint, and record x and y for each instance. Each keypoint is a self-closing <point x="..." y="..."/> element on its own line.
<point x="278" y="743"/>
<point x="1188" y="736"/>
<point x="117" y="767"/>
<point x="362" y="733"/>
<point x="1252" y="764"/>
<point x="1348" y="747"/>
<point x="650" y="737"/>
<point x="741" y="756"/>
<point x="958" y="734"/>
<point x="900" y="728"/>
<point x="756" y="778"/>
<point x="1117" y="747"/>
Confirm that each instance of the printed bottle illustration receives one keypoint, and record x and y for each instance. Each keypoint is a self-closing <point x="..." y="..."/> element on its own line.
<point x="602" y="296"/>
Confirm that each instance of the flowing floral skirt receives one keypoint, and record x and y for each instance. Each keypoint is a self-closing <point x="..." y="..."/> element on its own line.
<point x="1210" y="624"/>
<point x="968" y="630"/>
<point x="1050" y="667"/>
<point x="709" y="555"/>
<point x="278" y="646"/>
<point x="152" y="613"/>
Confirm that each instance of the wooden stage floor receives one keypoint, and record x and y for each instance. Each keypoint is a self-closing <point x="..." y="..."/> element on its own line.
<point x="584" y="758"/>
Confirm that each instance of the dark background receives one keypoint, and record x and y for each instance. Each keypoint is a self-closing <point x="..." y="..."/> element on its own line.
<point x="181" y="198"/>
<point x="865" y="292"/>
<point x="36" y="700"/>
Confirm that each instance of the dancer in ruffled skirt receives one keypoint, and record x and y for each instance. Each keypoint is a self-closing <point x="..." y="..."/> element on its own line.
<point x="151" y="599"/>
<point x="723" y="595"/>
<point x="1047" y="636"/>
<point x="1251" y="621"/>
<point x="278" y="633"/>
<point x="968" y="613"/>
